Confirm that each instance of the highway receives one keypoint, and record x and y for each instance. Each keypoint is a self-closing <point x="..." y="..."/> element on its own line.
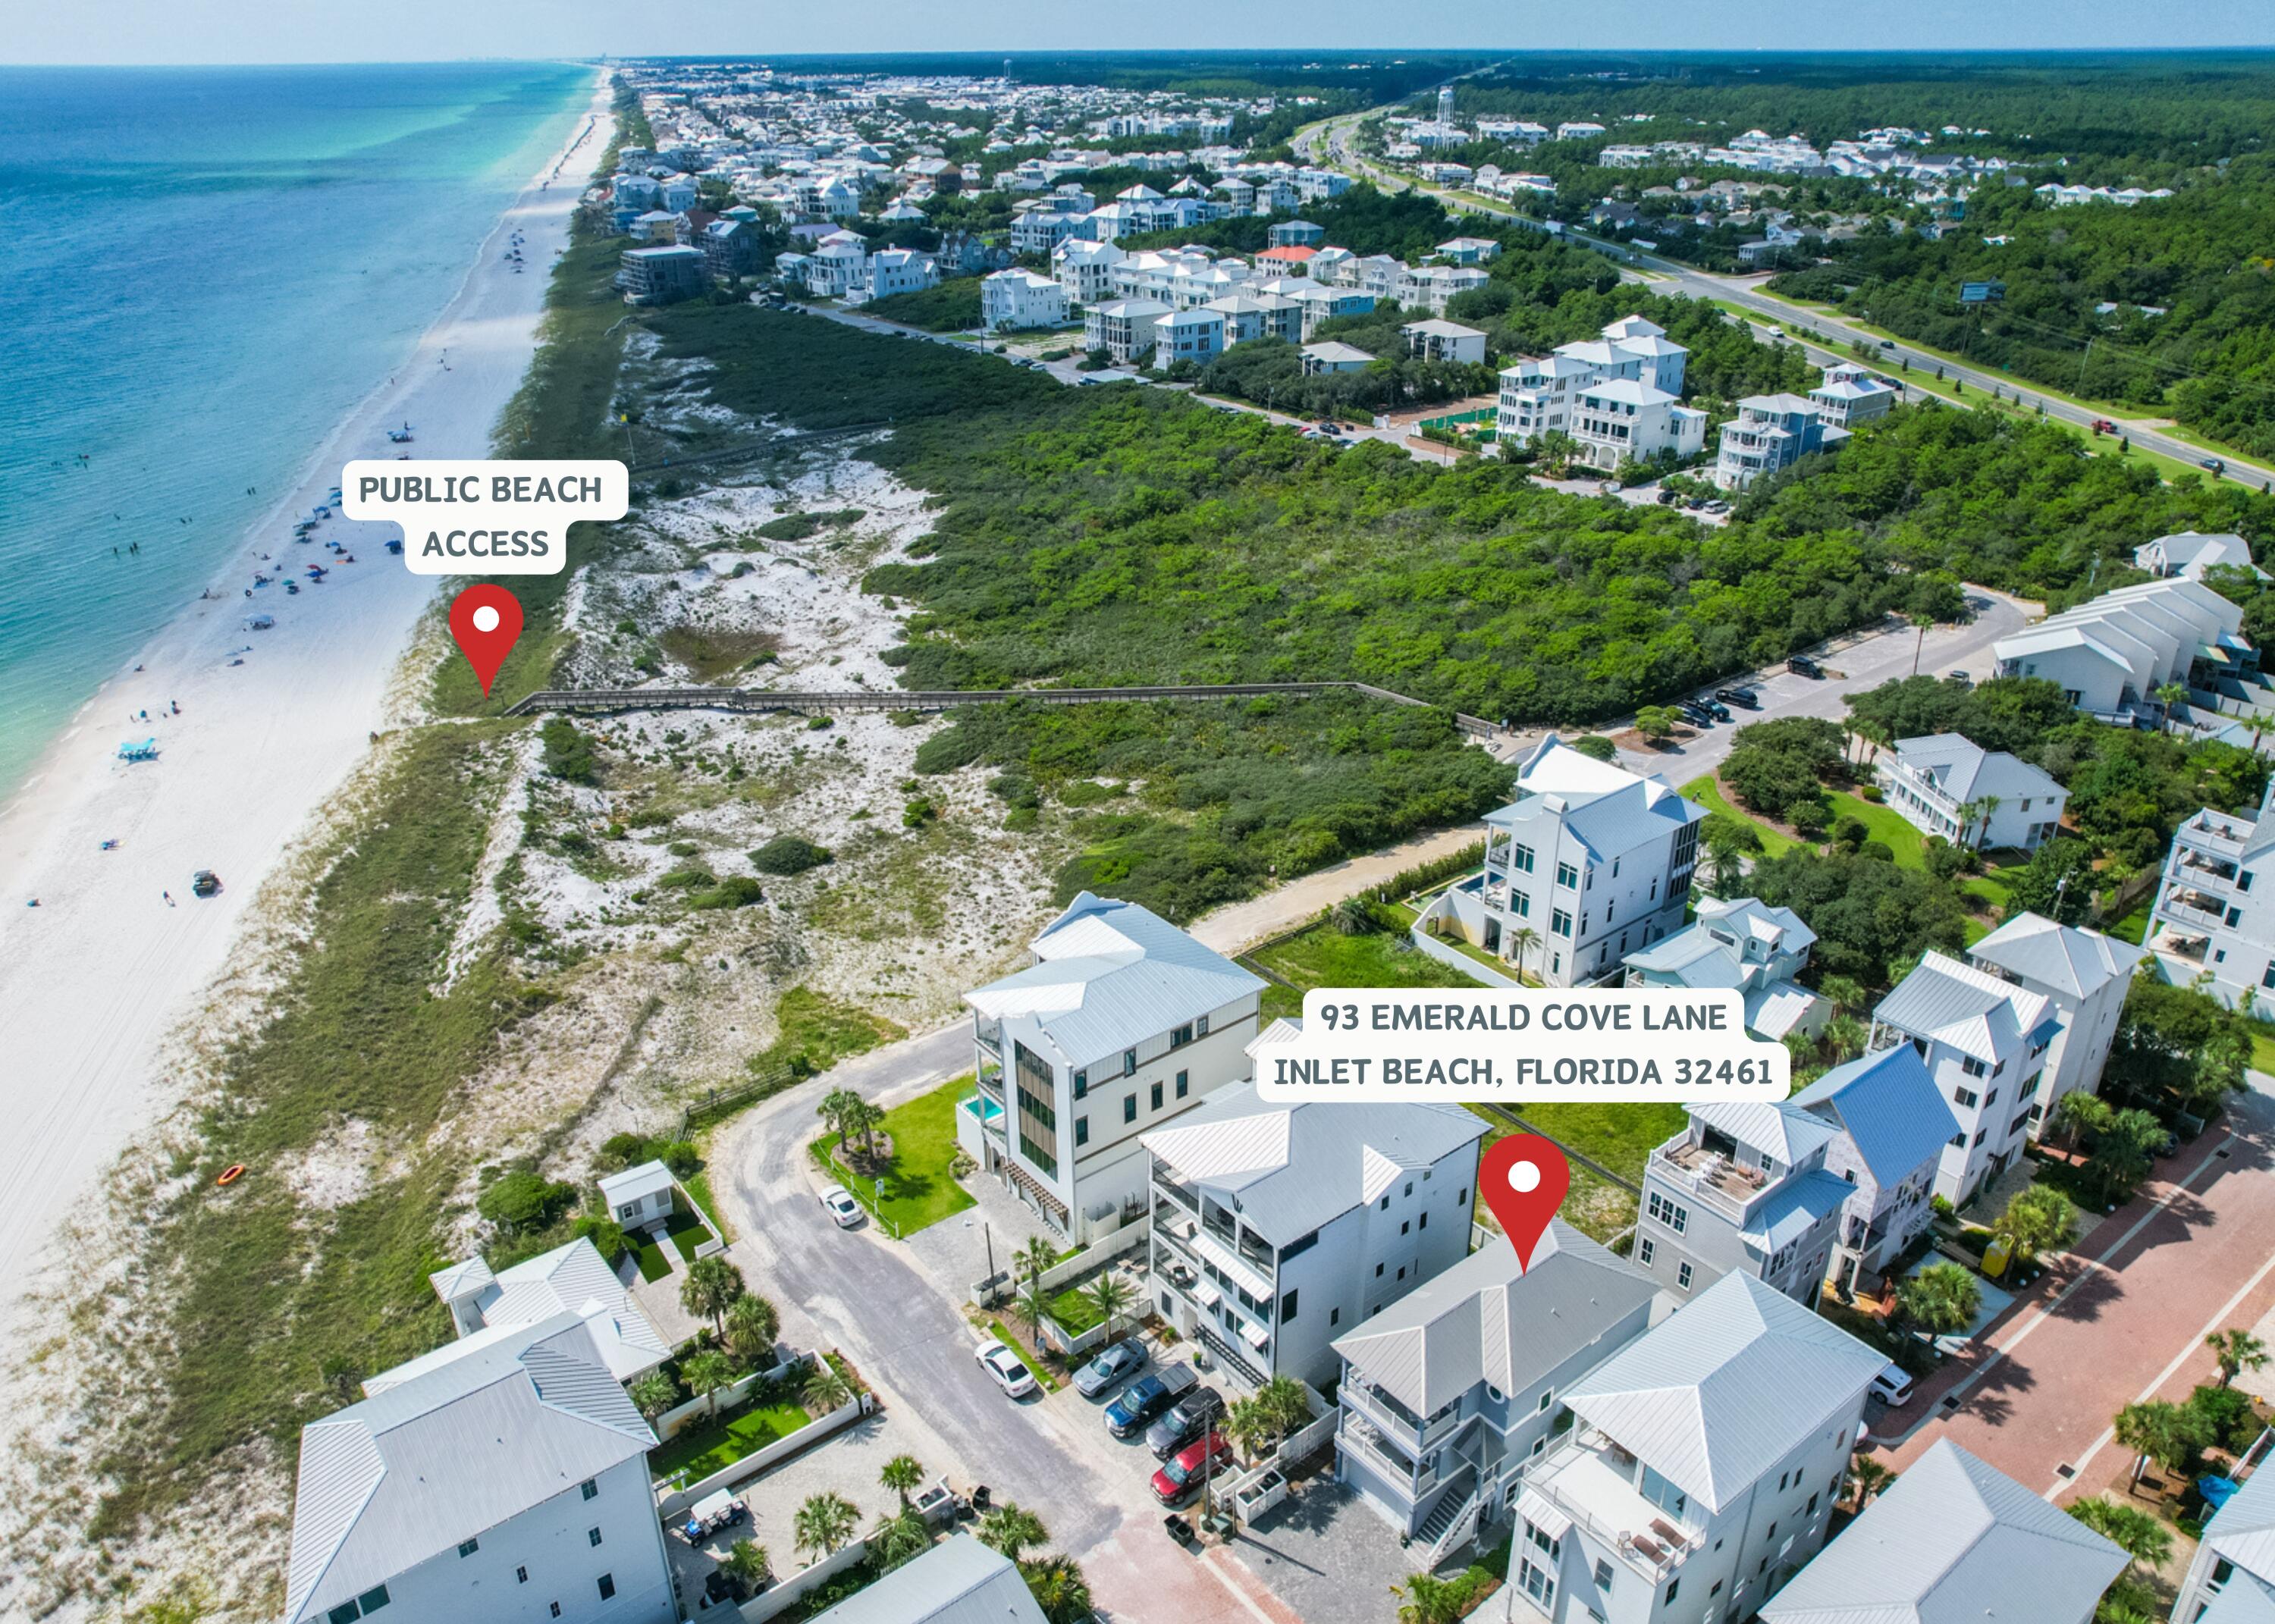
<point x="1330" y="142"/>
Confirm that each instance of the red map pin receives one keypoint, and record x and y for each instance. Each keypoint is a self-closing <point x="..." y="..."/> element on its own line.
<point x="1524" y="1179"/>
<point x="484" y="623"/>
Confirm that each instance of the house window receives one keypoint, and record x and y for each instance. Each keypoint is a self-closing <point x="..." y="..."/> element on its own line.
<point x="556" y="1609"/>
<point x="1673" y="1585"/>
<point x="1130" y="1107"/>
<point x="1682" y="1277"/>
<point x="593" y="1535"/>
<point x="1157" y="1097"/>
<point x="521" y="1576"/>
<point x="607" y="1586"/>
<point x="1537" y="1585"/>
<point x="1547" y="1397"/>
<point x="590" y="1487"/>
<point x="1200" y="1026"/>
<point x="467" y="1547"/>
<point x="1425" y="1220"/>
<point x="1603" y="1575"/>
<point x="1287" y="1307"/>
<point x="1972" y="1066"/>
<point x="1559" y="922"/>
<point x="1643" y="1250"/>
<point x="1964" y="1096"/>
<point x="1520" y="905"/>
<point x="1378" y="1270"/>
<point x="1675" y="1217"/>
<point x="1081" y="1130"/>
<point x="1334" y="1316"/>
<point x="1129" y="1063"/>
<point x="1567" y="875"/>
<point x="1520" y="858"/>
<point x="1081" y="1083"/>
<point x="1182" y="1077"/>
<point x="1181" y="1036"/>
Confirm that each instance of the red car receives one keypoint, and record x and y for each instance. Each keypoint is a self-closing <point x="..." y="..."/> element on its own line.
<point x="1181" y="1479"/>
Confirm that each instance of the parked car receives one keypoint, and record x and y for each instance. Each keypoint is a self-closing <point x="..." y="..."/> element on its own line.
<point x="1745" y="698"/>
<point x="1194" y="1413"/>
<point x="1147" y="1397"/>
<point x="1957" y="675"/>
<point x="1892" y="1386"/>
<point x="205" y="882"/>
<point x="1696" y="714"/>
<point x="1006" y="1368"/>
<point x="1180" y="1478"/>
<point x="1124" y="1359"/>
<point x="1714" y="708"/>
<point x="1801" y="665"/>
<point x="838" y="1202"/>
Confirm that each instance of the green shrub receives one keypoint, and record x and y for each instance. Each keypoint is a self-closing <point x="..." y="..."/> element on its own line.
<point x="522" y="1202"/>
<point x="789" y="854"/>
<point x="568" y="752"/>
<point x="735" y="891"/>
<point x="689" y="879"/>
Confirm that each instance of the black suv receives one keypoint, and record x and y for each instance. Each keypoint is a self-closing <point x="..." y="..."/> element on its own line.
<point x="1743" y="697"/>
<point x="1801" y="665"/>
<point x="1194" y="1415"/>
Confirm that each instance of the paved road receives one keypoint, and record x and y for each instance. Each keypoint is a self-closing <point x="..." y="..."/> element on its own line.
<point x="2192" y="1254"/>
<point x="1332" y="141"/>
<point x="860" y="1293"/>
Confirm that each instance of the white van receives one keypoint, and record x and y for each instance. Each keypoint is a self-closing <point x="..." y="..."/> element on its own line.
<point x="1893" y="1387"/>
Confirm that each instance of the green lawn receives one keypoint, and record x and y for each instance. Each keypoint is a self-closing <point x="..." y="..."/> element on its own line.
<point x="1595" y="1206"/>
<point x="2263" y="1052"/>
<point x="1323" y="957"/>
<point x="707" y="1447"/>
<point x="1886" y="825"/>
<point x="1622" y="1135"/>
<point x="653" y="1264"/>
<point x="918" y="1190"/>
<point x="1075" y="1312"/>
<point x="687" y="1233"/>
<point x="2134" y="927"/>
<point x="1707" y="793"/>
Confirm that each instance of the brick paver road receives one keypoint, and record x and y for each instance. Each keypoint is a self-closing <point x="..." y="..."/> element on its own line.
<point x="2193" y="1253"/>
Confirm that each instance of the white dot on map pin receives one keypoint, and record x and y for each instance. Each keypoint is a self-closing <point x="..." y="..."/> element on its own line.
<point x="1524" y="1178"/>
<point x="486" y="619"/>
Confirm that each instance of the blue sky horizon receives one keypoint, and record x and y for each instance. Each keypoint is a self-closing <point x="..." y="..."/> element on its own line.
<point x="254" y="33"/>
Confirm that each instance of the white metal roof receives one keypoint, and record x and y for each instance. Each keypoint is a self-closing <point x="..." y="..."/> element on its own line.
<point x="1954" y="1541"/>
<point x="1726" y="1386"/>
<point x="1487" y="1319"/>
<point x="648" y="1179"/>
<point x="2071" y="959"/>
<point x="1109" y="974"/>
<point x="573" y="1278"/>
<point x="1777" y="1128"/>
<point x="2244" y="1530"/>
<point x="1971" y="1009"/>
<point x="1289" y="1168"/>
<point x="957" y="1582"/>
<point x="1964" y="770"/>
<point x="515" y="1418"/>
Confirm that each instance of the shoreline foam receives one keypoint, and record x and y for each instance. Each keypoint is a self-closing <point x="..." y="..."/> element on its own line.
<point x="93" y="979"/>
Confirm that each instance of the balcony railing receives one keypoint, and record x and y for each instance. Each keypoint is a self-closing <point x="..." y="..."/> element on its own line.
<point x="1656" y="1550"/>
<point x="1360" y="1438"/>
<point x="2175" y="906"/>
<point x="2219" y="834"/>
<point x="1709" y="1177"/>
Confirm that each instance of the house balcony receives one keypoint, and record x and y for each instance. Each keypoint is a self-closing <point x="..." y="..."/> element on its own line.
<point x="1356" y="1435"/>
<point x="2203" y="869"/>
<point x="989" y="1036"/>
<point x="1395" y="1420"/>
<point x="2186" y="906"/>
<point x="2218" y="835"/>
<point x="1592" y="1480"/>
<point x="1709" y="1175"/>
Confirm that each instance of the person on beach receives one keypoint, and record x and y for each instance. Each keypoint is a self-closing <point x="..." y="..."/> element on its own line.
<point x="169" y="896"/>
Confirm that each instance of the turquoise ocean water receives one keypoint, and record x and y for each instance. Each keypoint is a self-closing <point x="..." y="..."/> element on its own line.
<point x="201" y="271"/>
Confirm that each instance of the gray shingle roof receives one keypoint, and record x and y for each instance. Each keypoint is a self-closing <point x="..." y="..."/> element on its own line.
<point x="1110" y="975"/>
<point x="1487" y="1319"/>
<point x="513" y="1417"/>
<point x="1291" y="1167"/>
<point x="1954" y="1541"/>
<point x="958" y="1582"/>
<point x="1889" y="1107"/>
<point x="1725" y="1387"/>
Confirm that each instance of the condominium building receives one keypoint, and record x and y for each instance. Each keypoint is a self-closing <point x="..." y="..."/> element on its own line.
<point x="2112" y="653"/>
<point x="1985" y="1042"/>
<point x="1020" y="299"/>
<point x="1621" y="420"/>
<point x="1125" y="328"/>
<point x="1589" y="864"/>
<point x="1891" y="1126"/>
<point x="1743" y="943"/>
<point x="1433" y="287"/>
<point x="1770" y="431"/>
<point x="1702" y="1469"/>
<point x="2085" y="975"/>
<point x="1122" y="1023"/>
<point x="1329" y="355"/>
<point x="1449" y="1395"/>
<point x="507" y="1478"/>
<point x="2230" y="1579"/>
<point x="1192" y="335"/>
<point x="2208" y="920"/>
<point x="1947" y="785"/>
<point x="1538" y="396"/>
<point x="663" y="276"/>
<point x="1085" y="269"/>
<point x="1041" y="231"/>
<point x="1953" y="1537"/>
<point x="1743" y="1189"/>
<point x="1320" y="303"/>
<point x="1278" y="1227"/>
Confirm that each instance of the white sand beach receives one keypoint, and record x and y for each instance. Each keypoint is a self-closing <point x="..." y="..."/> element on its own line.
<point x="93" y="979"/>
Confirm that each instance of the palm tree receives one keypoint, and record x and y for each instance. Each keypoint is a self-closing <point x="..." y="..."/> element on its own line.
<point x="1059" y="1589"/>
<point x="823" y="1524"/>
<point x="1032" y="1306"/>
<point x="1109" y="1295"/>
<point x="2078" y="1113"/>
<point x="2237" y="1351"/>
<point x="1868" y="1479"/>
<point x="1941" y="1298"/>
<point x="1427" y="1600"/>
<point x="1523" y="939"/>
<point x="1846" y="994"/>
<point x="825" y="1390"/>
<point x="1283" y="1400"/>
<point x="1845" y="1036"/>
<point x="749" y="1562"/>
<point x="751" y="1328"/>
<point x="1988" y="807"/>
<point x="2125" y="1151"/>
<point x="2037" y="1219"/>
<point x="1034" y="1257"/>
<point x="1250" y="1428"/>
<point x="2170" y="1434"/>
<point x="900" y="1538"/>
<point x="862" y="1118"/>
<point x="706" y="1372"/>
<point x="707" y="1287"/>
<point x="835" y="1109"/>
<point x="1009" y="1528"/>
<point x="2132" y="1531"/>
<point x="902" y="1474"/>
<point x="653" y="1393"/>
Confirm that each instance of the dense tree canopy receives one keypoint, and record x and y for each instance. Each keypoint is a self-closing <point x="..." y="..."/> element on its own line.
<point x="1868" y="913"/>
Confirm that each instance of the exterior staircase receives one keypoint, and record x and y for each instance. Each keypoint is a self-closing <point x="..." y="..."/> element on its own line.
<point x="1452" y="1521"/>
